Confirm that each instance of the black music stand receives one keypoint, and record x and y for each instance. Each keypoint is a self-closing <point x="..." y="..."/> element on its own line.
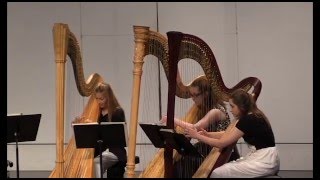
<point x="104" y="135"/>
<point x="21" y="128"/>
<point x="153" y="133"/>
<point x="160" y="136"/>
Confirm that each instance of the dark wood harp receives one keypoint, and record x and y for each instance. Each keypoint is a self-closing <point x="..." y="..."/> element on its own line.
<point x="72" y="162"/>
<point x="181" y="46"/>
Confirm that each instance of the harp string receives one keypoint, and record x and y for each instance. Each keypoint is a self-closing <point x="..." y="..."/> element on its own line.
<point x="189" y="70"/>
<point x="149" y="111"/>
<point x="77" y="102"/>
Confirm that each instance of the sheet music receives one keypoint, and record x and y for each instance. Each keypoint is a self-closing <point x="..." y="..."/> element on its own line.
<point x="168" y="130"/>
<point x="155" y="124"/>
<point x="15" y="114"/>
<point x="84" y="123"/>
<point x="114" y="123"/>
<point x="103" y="123"/>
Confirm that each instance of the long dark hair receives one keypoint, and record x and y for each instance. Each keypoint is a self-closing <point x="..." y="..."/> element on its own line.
<point x="107" y="92"/>
<point x="247" y="104"/>
<point x="212" y="100"/>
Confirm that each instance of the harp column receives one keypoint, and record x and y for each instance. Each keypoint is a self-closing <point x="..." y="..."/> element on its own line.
<point x="140" y="38"/>
<point x="60" y="36"/>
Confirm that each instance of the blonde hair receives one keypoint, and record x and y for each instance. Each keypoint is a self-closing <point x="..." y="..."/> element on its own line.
<point x="107" y="92"/>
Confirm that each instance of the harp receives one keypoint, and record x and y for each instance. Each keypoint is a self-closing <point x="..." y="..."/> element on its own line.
<point x="181" y="46"/>
<point x="70" y="161"/>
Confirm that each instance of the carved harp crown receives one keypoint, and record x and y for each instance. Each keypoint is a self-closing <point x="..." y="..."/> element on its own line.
<point x="72" y="162"/>
<point x="181" y="46"/>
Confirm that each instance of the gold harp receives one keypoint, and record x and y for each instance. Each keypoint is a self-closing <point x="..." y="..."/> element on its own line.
<point x="187" y="46"/>
<point x="148" y="42"/>
<point x="72" y="162"/>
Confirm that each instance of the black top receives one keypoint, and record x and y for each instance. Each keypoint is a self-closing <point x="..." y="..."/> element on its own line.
<point x="256" y="131"/>
<point x="117" y="116"/>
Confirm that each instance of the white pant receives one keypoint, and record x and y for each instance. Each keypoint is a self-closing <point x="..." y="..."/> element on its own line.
<point x="256" y="163"/>
<point x="108" y="160"/>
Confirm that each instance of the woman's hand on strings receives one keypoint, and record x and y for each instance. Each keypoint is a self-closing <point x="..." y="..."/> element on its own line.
<point x="203" y="132"/>
<point x="79" y="119"/>
<point x="191" y="132"/>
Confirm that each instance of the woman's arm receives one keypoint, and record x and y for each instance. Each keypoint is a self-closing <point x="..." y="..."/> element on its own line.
<point x="177" y="122"/>
<point x="224" y="141"/>
<point x="215" y="135"/>
<point x="212" y="116"/>
<point x="182" y="124"/>
<point x="80" y="119"/>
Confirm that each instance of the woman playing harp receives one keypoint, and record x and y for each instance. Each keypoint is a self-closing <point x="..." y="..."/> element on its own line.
<point x="150" y="42"/>
<point x="179" y="44"/>
<point x="110" y="111"/>
<point x="255" y="128"/>
<point x="212" y="116"/>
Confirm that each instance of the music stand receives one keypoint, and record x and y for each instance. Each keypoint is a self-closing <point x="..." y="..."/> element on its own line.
<point x="104" y="135"/>
<point x="153" y="133"/>
<point x="161" y="136"/>
<point x="21" y="128"/>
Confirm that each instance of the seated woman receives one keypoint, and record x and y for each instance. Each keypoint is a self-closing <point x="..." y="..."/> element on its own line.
<point x="111" y="111"/>
<point x="212" y="116"/>
<point x="255" y="129"/>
